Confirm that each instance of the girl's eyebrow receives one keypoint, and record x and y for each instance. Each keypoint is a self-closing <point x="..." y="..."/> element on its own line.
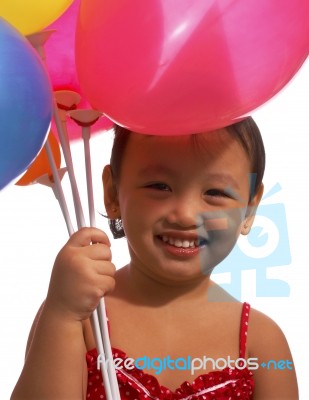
<point x="226" y="179"/>
<point x="156" y="169"/>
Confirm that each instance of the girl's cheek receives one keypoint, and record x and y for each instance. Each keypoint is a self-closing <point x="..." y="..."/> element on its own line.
<point x="222" y="223"/>
<point x="220" y="230"/>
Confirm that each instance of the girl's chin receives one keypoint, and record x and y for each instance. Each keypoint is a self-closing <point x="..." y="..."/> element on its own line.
<point x="174" y="274"/>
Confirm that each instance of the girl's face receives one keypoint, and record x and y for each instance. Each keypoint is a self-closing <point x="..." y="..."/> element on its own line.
<point x="183" y="203"/>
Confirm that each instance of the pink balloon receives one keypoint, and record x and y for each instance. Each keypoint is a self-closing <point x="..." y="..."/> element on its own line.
<point x="60" y="59"/>
<point x="183" y="66"/>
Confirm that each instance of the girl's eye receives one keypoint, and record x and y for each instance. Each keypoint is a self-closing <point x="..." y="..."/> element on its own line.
<point x="159" y="186"/>
<point x="217" y="193"/>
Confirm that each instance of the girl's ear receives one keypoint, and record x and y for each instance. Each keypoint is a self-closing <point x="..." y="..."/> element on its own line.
<point x="251" y="210"/>
<point x="110" y="194"/>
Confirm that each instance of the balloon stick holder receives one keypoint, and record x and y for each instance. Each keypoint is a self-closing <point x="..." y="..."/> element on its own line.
<point x="38" y="40"/>
<point x="66" y="101"/>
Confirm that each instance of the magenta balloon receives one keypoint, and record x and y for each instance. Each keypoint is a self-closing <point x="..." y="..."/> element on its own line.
<point x="60" y="60"/>
<point x="59" y="49"/>
<point x="183" y="66"/>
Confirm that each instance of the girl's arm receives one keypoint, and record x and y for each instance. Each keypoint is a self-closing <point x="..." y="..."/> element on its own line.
<point x="55" y="366"/>
<point x="275" y="379"/>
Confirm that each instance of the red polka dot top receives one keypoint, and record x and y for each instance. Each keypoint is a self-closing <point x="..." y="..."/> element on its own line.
<point x="134" y="384"/>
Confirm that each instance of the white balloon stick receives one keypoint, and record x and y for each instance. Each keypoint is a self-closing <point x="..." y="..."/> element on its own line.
<point x="58" y="188"/>
<point x="86" y="138"/>
<point x="110" y="384"/>
<point x="69" y="164"/>
<point x="86" y="118"/>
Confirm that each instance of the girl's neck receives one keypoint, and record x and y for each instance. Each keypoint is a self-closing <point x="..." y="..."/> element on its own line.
<point x="138" y="287"/>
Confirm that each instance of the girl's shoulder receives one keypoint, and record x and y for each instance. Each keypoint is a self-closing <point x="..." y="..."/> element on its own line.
<point x="275" y="376"/>
<point x="264" y="334"/>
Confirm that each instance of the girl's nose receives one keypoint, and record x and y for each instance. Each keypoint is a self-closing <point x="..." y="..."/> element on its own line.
<point x="185" y="212"/>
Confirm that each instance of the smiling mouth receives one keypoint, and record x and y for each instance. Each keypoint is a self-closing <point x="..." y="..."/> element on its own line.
<point x="183" y="243"/>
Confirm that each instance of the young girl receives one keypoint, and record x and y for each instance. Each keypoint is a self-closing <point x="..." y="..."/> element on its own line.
<point x="181" y="202"/>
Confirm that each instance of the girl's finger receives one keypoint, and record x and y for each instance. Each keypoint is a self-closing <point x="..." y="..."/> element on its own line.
<point x="98" y="252"/>
<point x="87" y="236"/>
<point x="104" y="268"/>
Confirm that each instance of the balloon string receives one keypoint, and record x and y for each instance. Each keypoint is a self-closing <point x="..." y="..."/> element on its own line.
<point x="102" y="330"/>
<point x="59" y="192"/>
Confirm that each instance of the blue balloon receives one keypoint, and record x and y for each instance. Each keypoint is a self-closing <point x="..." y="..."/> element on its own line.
<point x="25" y="103"/>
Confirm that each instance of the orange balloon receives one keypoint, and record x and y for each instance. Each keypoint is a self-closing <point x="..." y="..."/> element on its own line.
<point x="40" y="165"/>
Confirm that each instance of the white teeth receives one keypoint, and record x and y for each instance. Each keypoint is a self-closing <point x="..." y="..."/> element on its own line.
<point x="180" y="243"/>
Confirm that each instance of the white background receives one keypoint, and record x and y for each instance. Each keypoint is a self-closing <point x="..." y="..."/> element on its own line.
<point x="32" y="232"/>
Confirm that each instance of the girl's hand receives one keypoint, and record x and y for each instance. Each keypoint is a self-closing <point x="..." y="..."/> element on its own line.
<point x="82" y="274"/>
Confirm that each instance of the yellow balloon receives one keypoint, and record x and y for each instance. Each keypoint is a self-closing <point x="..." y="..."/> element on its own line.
<point x="30" y="16"/>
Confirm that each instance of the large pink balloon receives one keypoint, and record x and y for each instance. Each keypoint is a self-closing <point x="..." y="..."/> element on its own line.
<point x="60" y="59"/>
<point x="183" y="66"/>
